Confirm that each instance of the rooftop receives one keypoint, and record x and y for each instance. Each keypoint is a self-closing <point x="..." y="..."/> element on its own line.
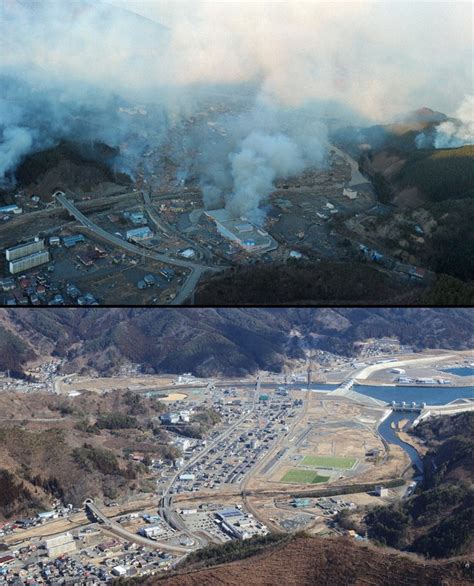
<point x="241" y="230"/>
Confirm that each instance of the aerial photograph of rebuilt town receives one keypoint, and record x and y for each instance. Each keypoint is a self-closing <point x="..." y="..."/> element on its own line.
<point x="195" y="446"/>
<point x="200" y="153"/>
<point x="236" y="293"/>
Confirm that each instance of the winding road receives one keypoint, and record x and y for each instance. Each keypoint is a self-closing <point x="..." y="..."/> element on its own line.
<point x="120" y="531"/>
<point x="197" y="270"/>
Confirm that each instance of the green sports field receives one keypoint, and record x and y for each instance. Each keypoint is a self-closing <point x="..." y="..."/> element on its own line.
<point x="328" y="462"/>
<point x="303" y="477"/>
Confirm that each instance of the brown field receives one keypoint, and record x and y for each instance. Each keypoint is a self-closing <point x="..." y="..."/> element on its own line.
<point x="117" y="382"/>
<point x="333" y="427"/>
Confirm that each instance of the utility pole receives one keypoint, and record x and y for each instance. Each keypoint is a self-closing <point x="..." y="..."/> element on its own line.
<point x="309" y="372"/>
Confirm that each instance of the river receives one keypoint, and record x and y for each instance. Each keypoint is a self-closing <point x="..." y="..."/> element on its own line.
<point x="388" y="433"/>
<point x="439" y="395"/>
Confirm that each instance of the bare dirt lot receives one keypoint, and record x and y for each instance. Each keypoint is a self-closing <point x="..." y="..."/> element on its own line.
<point x="332" y="428"/>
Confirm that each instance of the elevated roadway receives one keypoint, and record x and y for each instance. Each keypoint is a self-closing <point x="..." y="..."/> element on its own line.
<point x="123" y="533"/>
<point x="197" y="270"/>
<point x="366" y="372"/>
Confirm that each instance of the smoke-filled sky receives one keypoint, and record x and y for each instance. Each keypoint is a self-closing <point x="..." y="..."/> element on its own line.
<point x="63" y="61"/>
<point x="379" y="58"/>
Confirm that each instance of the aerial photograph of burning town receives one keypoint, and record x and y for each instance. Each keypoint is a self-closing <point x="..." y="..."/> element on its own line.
<point x="266" y="446"/>
<point x="188" y="152"/>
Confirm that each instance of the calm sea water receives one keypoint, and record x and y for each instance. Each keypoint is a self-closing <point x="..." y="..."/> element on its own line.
<point x="461" y="371"/>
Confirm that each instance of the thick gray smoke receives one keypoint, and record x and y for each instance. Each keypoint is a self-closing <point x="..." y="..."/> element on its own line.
<point x="262" y="158"/>
<point x="453" y="133"/>
<point x="258" y="147"/>
<point x="16" y="142"/>
<point x="58" y="80"/>
<point x="92" y="70"/>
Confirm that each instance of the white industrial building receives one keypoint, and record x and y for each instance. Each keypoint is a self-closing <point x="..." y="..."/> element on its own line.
<point x="187" y="477"/>
<point x="350" y="193"/>
<point x="185" y="415"/>
<point x="405" y="380"/>
<point x="241" y="231"/>
<point x="170" y="418"/>
<point x="139" y="234"/>
<point x="152" y="531"/>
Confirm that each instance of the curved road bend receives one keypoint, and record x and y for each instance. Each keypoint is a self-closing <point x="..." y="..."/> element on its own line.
<point x="197" y="270"/>
<point x="167" y="229"/>
<point x="365" y="373"/>
<point x="118" y="530"/>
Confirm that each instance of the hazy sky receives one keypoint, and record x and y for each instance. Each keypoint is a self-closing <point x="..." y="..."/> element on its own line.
<point x="381" y="58"/>
<point x="66" y="61"/>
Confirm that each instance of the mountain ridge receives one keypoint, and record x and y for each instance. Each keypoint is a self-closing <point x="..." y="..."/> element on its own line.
<point x="216" y="341"/>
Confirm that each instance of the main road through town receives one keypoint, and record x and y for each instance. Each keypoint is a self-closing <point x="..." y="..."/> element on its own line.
<point x="197" y="270"/>
<point x="120" y="531"/>
<point x="166" y="510"/>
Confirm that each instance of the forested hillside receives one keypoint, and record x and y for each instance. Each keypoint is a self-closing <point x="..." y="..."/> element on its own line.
<point x="209" y="342"/>
<point x="438" y="520"/>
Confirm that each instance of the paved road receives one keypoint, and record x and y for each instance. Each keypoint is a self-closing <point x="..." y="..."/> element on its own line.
<point x="153" y="215"/>
<point x="188" y="287"/>
<point x="166" y="509"/>
<point x="133" y="248"/>
<point x="213" y="444"/>
<point x="274" y="454"/>
<point x="356" y="176"/>
<point x="368" y="370"/>
<point x="114" y="527"/>
<point x="193" y="279"/>
<point x="197" y="270"/>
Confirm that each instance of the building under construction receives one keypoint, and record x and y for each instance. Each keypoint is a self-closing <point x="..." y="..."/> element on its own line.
<point x="59" y="545"/>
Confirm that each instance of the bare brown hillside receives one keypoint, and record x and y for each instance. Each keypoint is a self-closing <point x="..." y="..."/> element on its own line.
<point x="319" y="561"/>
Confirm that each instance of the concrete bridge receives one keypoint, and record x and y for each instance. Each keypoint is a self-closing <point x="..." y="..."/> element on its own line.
<point x="346" y="390"/>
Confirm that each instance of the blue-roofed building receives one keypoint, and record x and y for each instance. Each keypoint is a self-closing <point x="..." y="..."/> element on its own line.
<point x="230" y="513"/>
<point x="301" y="502"/>
<point x="10" y="209"/>
<point x="70" y="241"/>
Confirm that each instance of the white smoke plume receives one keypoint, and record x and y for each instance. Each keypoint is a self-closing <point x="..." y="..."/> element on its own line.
<point x="455" y="132"/>
<point x="71" y="69"/>
<point x="260" y="160"/>
<point x="259" y="146"/>
<point x="16" y="142"/>
<point x="459" y="132"/>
